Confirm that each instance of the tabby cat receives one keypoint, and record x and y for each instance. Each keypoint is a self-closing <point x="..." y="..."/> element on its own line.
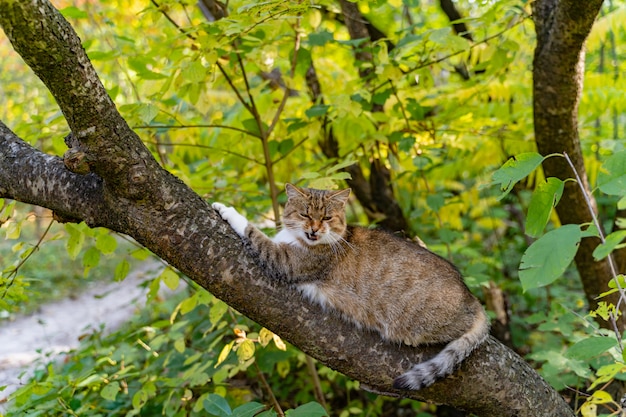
<point x="372" y="278"/>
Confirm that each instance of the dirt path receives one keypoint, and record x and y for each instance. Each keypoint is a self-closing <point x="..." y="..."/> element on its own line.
<point x="55" y="328"/>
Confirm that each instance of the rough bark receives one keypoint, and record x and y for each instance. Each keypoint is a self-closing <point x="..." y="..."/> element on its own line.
<point x="175" y="223"/>
<point x="558" y="69"/>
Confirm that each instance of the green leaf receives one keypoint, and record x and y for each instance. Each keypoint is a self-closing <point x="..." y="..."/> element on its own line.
<point x="217" y="311"/>
<point x="340" y="165"/>
<point x="179" y="345"/>
<point x="75" y="241"/>
<point x="13" y="231"/>
<point x="74" y="12"/>
<point x="544" y="198"/>
<point x="320" y="39"/>
<point x="612" y="241"/>
<point x="317" y="110"/>
<point x="91" y="259"/>
<point x="121" y="270"/>
<point x="188" y="304"/>
<point x="285" y="146"/>
<point x="612" y="175"/>
<point x="170" y="278"/>
<point x="139" y="399"/>
<point x="147" y="112"/>
<point x="194" y="72"/>
<point x="216" y="405"/>
<point x="252" y="126"/>
<point x="515" y="169"/>
<point x="109" y="392"/>
<point x="106" y="243"/>
<point x="548" y="257"/>
<point x="248" y="410"/>
<point x="590" y="347"/>
<point x="311" y="409"/>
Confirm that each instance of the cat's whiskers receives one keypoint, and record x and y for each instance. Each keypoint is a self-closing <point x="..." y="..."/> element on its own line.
<point x="339" y="245"/>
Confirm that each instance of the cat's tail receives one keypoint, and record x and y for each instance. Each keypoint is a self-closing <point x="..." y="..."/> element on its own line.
<point x="445" y="362"/>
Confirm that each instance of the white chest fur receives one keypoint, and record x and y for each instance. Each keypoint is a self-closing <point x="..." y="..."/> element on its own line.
<point x="314" y="293"/>
<point x="286" y="236"/>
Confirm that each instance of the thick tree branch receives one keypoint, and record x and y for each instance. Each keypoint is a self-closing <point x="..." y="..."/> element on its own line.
<point x="33" y="177"/>
<point x="179" y="226"/>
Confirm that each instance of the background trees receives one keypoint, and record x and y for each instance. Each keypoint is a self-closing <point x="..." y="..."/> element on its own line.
<point x="412" y="110"/>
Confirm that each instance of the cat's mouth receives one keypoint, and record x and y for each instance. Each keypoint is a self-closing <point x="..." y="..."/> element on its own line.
<point x="311" y="236"/>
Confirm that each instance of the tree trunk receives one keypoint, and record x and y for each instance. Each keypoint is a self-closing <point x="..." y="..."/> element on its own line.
<point x="109" y="179"/>
<point x="558" y="69"/>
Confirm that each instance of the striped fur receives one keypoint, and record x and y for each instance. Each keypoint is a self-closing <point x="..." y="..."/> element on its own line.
<point x="371" y="278"/>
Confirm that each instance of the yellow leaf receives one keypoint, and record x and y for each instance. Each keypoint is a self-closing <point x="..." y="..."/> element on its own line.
<point x="283" y="368"/>
<point x="265" y="336"/>
<point x="245" y="350"/>
<point x="589" y="410"/>
<point x="600" y="397"/>
<point x="279" y="342"/>
<point x="224" y="353"/>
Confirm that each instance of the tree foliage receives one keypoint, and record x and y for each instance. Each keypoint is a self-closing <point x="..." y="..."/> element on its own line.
<point x="237" y="99"/>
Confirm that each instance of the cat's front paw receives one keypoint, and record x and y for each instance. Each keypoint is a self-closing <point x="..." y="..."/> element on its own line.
<point x="236" y="220"/>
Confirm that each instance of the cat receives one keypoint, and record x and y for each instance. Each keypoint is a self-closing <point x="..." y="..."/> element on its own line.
<point x="372" y="278"/>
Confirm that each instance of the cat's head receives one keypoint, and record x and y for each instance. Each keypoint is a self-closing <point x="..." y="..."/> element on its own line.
<point x="315" y="216"/>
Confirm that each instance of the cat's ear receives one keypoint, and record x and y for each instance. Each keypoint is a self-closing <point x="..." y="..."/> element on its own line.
<point x="293" y="191"/>
<point x="341" y="196"/>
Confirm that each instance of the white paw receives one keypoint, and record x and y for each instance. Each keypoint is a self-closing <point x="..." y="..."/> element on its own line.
<point x="236" y="220"/>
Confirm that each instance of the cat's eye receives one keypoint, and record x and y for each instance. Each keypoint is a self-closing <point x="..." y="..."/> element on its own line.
<point x="327" y="218"/>
<point x="306" y="216"/>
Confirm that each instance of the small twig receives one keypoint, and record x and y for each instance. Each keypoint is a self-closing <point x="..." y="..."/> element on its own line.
<point x="404" y="115"/>
<point x="192" y="145"/>
<point x="235" y="90"/>
<point x="252" y="106"/>
<point x="13" y="273"/>
<point x="194" y="126"/>
<point x="267" y="387"/>
<point x="317" y="386"/>
<point x="172" y="21"/>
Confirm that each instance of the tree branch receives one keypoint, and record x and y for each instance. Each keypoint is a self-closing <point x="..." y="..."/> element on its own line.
<point x="33" y="177"/>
